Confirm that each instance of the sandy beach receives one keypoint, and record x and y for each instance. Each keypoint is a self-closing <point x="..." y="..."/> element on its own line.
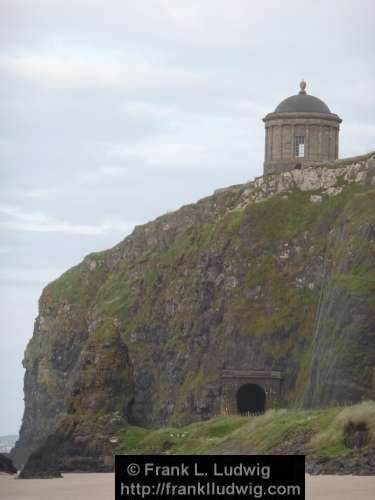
<point x="101" y="487"/>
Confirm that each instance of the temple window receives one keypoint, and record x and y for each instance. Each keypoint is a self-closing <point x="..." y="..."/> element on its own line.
<point x="299" y="146"/>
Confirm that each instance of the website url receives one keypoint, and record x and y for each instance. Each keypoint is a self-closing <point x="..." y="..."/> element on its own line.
<point x="249" y="490"/>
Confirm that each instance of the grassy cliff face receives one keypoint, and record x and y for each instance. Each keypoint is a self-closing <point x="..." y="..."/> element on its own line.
<point x="274" y="274"/>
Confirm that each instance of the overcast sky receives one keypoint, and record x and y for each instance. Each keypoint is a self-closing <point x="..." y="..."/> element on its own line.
<point x="113" y="112"/>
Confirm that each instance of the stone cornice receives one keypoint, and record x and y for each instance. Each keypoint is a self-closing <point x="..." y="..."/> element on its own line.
<point x="303" y="116"/>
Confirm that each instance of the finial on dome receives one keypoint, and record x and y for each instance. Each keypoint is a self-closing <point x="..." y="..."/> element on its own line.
<point x="302" y="86"/>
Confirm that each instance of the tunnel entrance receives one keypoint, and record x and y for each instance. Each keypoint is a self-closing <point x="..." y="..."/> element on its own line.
<point x="251" y="398"/>
<point x="250" y="391"/>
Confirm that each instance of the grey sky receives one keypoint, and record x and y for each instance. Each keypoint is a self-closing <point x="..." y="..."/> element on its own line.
<point x="113" y="112"/>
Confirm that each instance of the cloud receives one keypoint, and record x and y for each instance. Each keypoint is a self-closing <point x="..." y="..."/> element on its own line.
<point x="43" y="193"/>
<point x="17" y="219"/>
<point x="69" y="71"/>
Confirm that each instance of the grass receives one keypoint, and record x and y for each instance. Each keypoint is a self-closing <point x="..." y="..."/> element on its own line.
<point x="321" y="432"/>
<point x="194" y="438"/>
<point x="357" y="284"/>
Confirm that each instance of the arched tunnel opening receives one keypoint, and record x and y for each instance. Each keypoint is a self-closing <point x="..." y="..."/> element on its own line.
<point x="251" y="398"/>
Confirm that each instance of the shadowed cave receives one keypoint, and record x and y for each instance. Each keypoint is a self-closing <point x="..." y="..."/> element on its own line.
<point x="251" y="398"/>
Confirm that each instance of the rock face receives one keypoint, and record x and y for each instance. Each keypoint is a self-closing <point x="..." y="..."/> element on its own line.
<point x="356" y="464"/>
<point x="275" y="274"/>
<point x="6" y="465"/>
<point x="94" y="410"/>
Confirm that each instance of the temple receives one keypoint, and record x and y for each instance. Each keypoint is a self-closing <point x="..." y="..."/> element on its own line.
<point x="301" y="131"/>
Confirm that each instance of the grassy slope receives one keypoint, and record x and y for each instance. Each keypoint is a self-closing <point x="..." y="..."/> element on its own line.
<point x="318" y="432"/>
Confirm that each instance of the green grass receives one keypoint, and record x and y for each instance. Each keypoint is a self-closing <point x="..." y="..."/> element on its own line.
<point x="198" y="437"/>
<point x="357" y="284"/>
<point x="322" y="433"/>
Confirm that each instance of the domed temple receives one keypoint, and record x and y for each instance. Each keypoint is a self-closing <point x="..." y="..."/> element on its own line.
<point x="302" y="130"/>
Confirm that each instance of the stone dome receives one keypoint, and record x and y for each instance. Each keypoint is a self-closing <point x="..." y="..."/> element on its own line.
<point x="302" y="103"/>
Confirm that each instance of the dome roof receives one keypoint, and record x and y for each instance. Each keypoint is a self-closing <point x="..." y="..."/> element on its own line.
<point x="302" y="103"/>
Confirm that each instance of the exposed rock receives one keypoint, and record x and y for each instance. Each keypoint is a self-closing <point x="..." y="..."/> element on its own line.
<point x="254" y="277"/>
<point x="356" y="435"/>
<point x="356" y="464"/>
<point x="79" y="444"/>
<point x="316" y="198"/>
<point x="82" y="440"/>
<point x="6" y="465"/>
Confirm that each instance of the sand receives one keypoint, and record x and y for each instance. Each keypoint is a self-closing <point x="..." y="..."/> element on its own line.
<point x="101" y="487"/>
<point x="70" y="487"/>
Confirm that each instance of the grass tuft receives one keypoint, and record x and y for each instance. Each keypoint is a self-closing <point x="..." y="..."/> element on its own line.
<point x="332" y="440"/>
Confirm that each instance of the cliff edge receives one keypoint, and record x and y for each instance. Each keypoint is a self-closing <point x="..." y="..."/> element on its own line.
<point x="275" y="274"/>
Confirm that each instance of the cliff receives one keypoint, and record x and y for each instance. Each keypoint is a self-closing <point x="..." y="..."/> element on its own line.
<point x="276" y="274"/>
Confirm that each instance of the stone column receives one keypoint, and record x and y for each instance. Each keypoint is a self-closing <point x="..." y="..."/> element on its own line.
<point x="281" y="142"/>
<point x="293" y="140"/>
<point x="320" y="145"/>
<point x="333" y="143"/>
<point x="307" y="144"/>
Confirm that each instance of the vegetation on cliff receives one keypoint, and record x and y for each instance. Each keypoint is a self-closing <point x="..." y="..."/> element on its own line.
<point x="329" y="432"/>
<point x="273" y="274"/>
